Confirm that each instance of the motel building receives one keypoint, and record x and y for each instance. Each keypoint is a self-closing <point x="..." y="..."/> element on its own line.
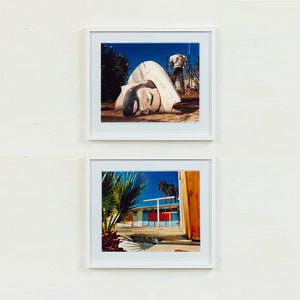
<point x="160" y="215"/>
<point x="147" y="216"/>
<point x="184" y="213"/>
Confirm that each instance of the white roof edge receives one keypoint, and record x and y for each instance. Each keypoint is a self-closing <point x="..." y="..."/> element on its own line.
<point x="154" y="206"/>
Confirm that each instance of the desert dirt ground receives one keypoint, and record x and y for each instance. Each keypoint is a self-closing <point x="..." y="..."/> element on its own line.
<point x="188" y="107"/>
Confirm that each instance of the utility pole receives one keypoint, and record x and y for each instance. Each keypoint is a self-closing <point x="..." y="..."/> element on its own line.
<point x="167" y="66"/>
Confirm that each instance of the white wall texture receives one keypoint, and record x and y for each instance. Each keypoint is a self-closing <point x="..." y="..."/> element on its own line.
<point x="42" y="143"/>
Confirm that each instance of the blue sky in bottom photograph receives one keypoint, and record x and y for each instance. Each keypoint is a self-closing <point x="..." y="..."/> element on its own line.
<point x="153" y="178"/>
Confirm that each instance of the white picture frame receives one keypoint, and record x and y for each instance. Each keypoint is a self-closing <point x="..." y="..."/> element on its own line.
<point x="204" y="129"/>
<point x="95" y="258"/>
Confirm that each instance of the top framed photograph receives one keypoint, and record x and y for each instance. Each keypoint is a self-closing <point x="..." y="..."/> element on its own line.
<point x="150" y="85"/>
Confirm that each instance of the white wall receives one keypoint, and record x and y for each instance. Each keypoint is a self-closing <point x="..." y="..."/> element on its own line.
<point x="42" y="138"/>
<point x="138" y="219"/>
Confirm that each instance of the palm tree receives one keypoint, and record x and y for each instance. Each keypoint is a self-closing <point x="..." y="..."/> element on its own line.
<point x="120" y="193"/>
<point x="162" y="186"/>
<point x="169" y="191"/>
<point x="173" y="191"/>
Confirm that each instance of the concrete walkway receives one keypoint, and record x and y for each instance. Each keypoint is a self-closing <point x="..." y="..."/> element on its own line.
<point x="164" y="239"/>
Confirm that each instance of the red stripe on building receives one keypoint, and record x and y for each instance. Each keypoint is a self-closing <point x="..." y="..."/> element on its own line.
<point x="163" y="216"/>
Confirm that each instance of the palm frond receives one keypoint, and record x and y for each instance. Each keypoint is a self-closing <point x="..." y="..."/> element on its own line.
<point x="130" y="193"/>
<point x="120" y="193"/>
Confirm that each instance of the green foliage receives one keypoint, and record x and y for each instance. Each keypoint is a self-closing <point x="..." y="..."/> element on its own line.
<point x="108" y="197"/>
<point x="114" y="73"/>
<point x="120" y="193"/>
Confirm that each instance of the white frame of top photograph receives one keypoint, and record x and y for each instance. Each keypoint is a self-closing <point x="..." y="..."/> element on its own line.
<point x="96" y="258"/>
<point x="204" y="129"/>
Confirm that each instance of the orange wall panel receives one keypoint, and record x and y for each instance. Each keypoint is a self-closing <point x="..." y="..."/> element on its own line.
<point x="193" y="190"/>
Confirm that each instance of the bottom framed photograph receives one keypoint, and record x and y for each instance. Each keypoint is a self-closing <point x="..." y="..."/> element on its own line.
<point x="156" y="213"/>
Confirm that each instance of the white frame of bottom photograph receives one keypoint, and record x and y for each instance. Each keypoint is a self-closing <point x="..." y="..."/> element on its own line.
<point x="96" y="258"/>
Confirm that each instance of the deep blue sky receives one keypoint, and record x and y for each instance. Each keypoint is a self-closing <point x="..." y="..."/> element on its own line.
<point x="138" y="53"/>
<point x="152" y="191"/>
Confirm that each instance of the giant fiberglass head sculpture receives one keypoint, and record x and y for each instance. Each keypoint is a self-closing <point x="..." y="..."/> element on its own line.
<point x="149" y="90"/>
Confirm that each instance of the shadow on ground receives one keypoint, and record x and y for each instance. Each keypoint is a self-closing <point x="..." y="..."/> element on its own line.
<point x="164" y="239"/>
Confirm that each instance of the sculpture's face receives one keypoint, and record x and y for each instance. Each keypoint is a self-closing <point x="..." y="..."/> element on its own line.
<point x="149" y="101"/>
<point x="141" y="99"/>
